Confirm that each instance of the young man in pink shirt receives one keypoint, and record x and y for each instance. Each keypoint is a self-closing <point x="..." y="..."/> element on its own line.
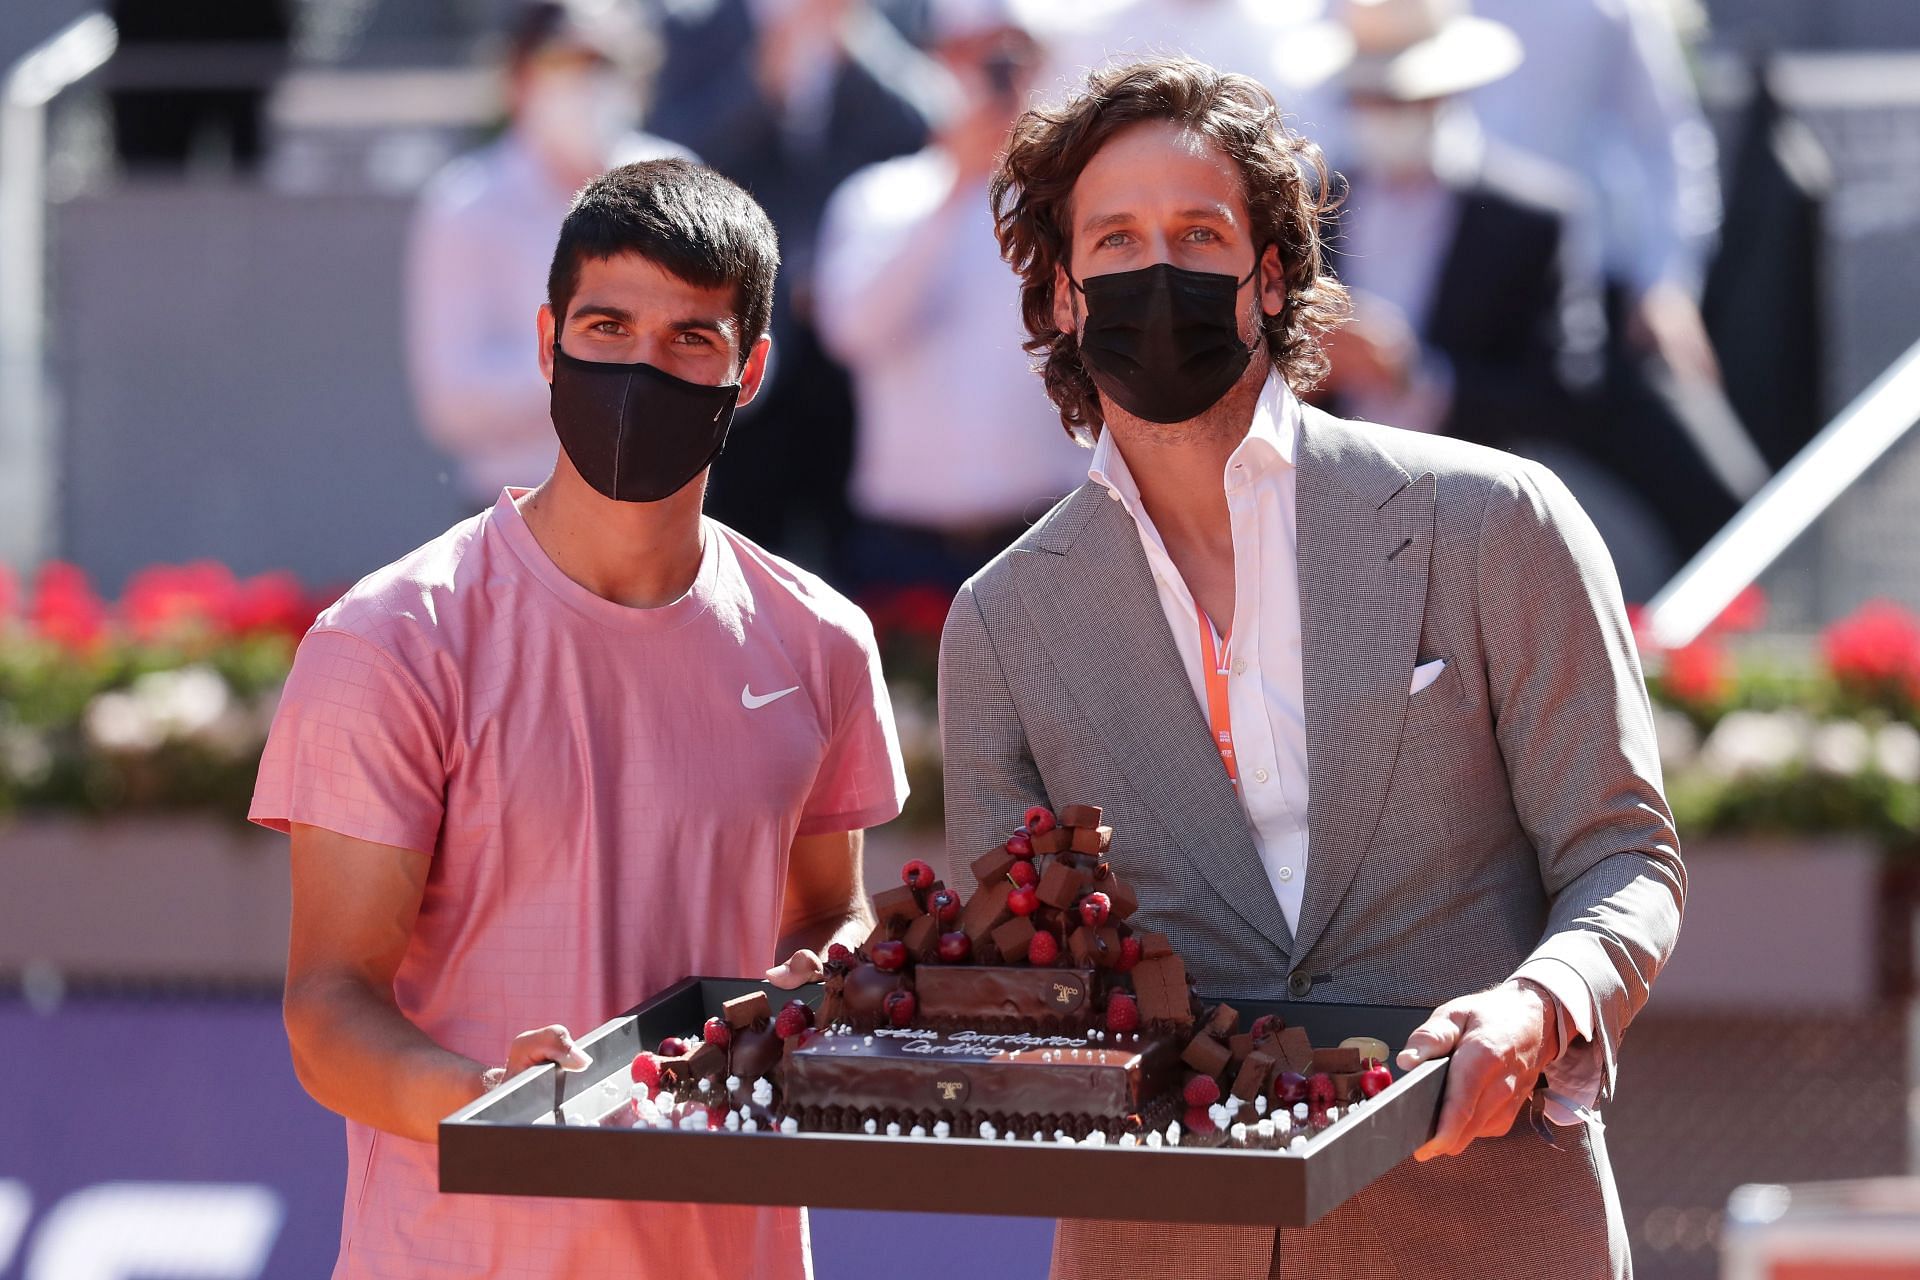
<point x="578" y="747"/>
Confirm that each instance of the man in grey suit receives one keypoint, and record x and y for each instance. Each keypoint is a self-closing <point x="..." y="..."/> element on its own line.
<point x="1258" y="624"/>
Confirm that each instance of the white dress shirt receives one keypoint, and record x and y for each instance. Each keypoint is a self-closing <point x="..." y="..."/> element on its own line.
<point x="953" y="431"/>
<point x="1265" y="695"/>
<point x="476" y="272"/>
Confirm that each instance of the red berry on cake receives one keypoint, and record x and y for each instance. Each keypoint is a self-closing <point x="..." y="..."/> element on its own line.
<point x="838" y="954"/>
<point x="945" y="905"/>
<point x="1267" y="1024"/>
<point x="1289" y="1088"/>
<point x="1197" y="1120"/>
<point x="917" y="875"/>
<point x="1094" y="909"/>
<point x="1044" y="950"/>
<point x="1025" y="900"/>
<point x="955" y="948"/>
<point x="1123" y="1011"/>
<point x="1020" y="844"/>
<point x="1201" y="1091"/>
<point x="1040" y="820"/>
<point x="674" y="1047"/>
<point x="1023" y="875"/>
<point x="717" y="1032"/>
<point x="900" y="1007"/>
<point x="793" y="1019"/>
<point x="890" y="956"/>
<point x="1129" y="955"/>
<point x="1375" y="1078"/>
<point x="1320" y="1091"/>
<point x="645" y="1070"/>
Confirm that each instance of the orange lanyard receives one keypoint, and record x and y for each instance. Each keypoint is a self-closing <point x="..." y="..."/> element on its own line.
<point x="1213" y="662"/>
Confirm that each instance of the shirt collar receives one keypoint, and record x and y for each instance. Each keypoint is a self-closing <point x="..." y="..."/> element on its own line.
<point x="1272" y="441"/>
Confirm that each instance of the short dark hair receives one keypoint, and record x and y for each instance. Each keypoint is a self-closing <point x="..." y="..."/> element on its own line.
<point x="682" y="217"/>
<point x="1283" y="177"/>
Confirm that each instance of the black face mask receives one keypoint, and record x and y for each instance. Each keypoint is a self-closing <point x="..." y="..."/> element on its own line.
<point x="634" y="432"/>
<point x="1163" y="342"/>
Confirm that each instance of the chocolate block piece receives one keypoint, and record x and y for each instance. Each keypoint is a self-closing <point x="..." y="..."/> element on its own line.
<point x="1295" y="1050"/>
<point x="1013" y="937"/>
<point x="1221" y="1020"/>
<point x="1160" y="986"/>
<point x="1206" y="1055"/>
<point x="1107" y="947"/>
<point x="991" y="866"/>
<point x="744" y="1011"/>
<point x="707" y="1062"/>
<point x="1061" y="885"/>
<point x="1054" y="841"/>
<point x="1154" y="946"/>
<point x="898" y="905"/>
<point x="1255" y="1072"/>
<point x="986" y="911"/>
<point x="1080" y="815"/>
<point x="923" y="938"/>
<point x="1346" y="1085"/>
<point x="971" y="993"/>
<point x="1241" y="1046"/>
<point x="1336" y="1061"/>
<point x="1091" y="839"/>
<point x="1084" y="947"/>
<point x="883" y="931"/>
<point x="1125" y="901"/>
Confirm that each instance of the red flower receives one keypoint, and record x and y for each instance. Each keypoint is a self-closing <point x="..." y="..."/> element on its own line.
<point x="1876" y="650"/>
<point x="65" y="608"/>
<point x="1745" y="612"/>
<point x="272" y="603"/>
<point x="173" y="601"/>
<point x="1697" y="673"/>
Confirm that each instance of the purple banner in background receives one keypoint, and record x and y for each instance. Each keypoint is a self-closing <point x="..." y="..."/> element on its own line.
<point x="169" y="1137"/>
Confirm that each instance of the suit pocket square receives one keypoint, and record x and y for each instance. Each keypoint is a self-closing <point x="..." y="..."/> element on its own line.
<point x="1425" y="674"/>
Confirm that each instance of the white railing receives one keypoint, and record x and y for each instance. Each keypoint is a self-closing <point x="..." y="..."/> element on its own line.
<point x="26" y="429"/>
<point x="1788" y="505"/>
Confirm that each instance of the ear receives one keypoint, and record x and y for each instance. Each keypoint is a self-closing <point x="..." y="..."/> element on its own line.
<point x="754" y="371"/>
<point x="1063" y="318"/>
<point x="545" y="326"/>
<point x="1273" y="281"/>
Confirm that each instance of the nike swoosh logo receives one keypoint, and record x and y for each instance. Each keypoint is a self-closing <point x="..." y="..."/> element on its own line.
<point x="754" y="701"/>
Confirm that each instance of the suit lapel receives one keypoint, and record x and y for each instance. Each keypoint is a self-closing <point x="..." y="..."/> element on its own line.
<point x="1099" y="617"/>
<point x="1365" y="533"/>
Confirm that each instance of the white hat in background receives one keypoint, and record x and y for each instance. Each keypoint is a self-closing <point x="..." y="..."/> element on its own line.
<point x="1411" y="50"/>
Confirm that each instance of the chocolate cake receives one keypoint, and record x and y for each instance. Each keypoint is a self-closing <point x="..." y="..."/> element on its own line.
<point x="1034" y="1009"/>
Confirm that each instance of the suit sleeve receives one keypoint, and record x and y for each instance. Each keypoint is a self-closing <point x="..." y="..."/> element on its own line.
<point x="990" y="777"/>
<point x="1575" y="729"/>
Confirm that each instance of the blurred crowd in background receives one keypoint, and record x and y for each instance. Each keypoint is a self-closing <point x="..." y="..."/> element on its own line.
<point x="1530" y="216"/>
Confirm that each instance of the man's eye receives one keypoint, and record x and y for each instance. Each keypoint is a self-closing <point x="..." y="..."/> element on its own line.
<point x="606" y="326"/>
<point x="696" y="339"/>
<point x="1202" y="234"/>
<point x="1113" y="241"/>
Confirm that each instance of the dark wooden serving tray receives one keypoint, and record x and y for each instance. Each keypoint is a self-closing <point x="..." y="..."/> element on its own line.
<point x="507" y="1143"/>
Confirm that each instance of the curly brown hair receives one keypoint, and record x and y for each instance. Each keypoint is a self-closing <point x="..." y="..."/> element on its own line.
<point x="1287" y="185"/>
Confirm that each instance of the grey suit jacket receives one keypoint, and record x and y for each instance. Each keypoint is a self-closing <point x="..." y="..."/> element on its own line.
<point x="1512" y="809"/>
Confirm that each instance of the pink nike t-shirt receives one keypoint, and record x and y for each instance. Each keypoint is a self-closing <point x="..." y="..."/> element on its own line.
<point x="608" y="796"/>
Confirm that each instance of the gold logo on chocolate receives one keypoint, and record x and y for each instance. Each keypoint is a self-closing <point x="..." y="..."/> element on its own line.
<point x="1069" y="993"/>
<point x="950" y="1090"/>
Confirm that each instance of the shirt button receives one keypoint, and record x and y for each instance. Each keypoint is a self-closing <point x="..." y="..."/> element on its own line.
<point x="1299" y="985"/>
<point x="1114" y="494"/>
<point x="1286" y="874"/>
<point x="1260" y="775"/>
<point x="1240" y="667"/>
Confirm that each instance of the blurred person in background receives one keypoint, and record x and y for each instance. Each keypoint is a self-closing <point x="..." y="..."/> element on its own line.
<point x="1605" y="91"/>
<point x="1476" y="279"/>
<point x="789" y="98"/>
<point x="482" y="236"/>
<point x="951" y="455"/>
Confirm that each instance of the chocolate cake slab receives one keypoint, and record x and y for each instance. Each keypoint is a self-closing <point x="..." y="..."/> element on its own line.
<point x="991" y="994"/>
<point x="507" y="1142"/>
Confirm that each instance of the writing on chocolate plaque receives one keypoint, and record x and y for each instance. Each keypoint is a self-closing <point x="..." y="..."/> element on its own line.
<point x="954" y="1090"/>
<point x="1069" y="992"/>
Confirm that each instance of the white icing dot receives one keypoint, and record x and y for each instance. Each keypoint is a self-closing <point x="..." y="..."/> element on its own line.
<point x="1128" y="1140"/>
<point x="789" y="1125"/>
<point x="987" y="1131"/>
<point x="1039" y="1137"/>
<point x="872" y="1126"/>
<point x="733" y="1084"/>
<point x="639" y="1092"/>
<point x="1154" y="1139"/>
<point x="942" y="1130"/>
<point x="706" y="1086"/>
<point x="1098" y="1138"/>
<point x="1333" y="1113"/>
<point x="918" y="1131"/>
<point x="1282" y="1123"/>
<point x="893" y="1130"/>
<point x="749" y="1125"/>
<point x="763" y="1092"/>
<point x="1299" y="1142"/>
<point x="1065" y="1139"/>
<point x="1239" y="1134"/>
<point x="1260" y="1104"/>
<point x="1300" y="1111"/>
<point x="1219" y="1115"/>
<point x="732" y="1123"/>
<point x="1173" y="1133"/>
<point x="1265" y="1130"/>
